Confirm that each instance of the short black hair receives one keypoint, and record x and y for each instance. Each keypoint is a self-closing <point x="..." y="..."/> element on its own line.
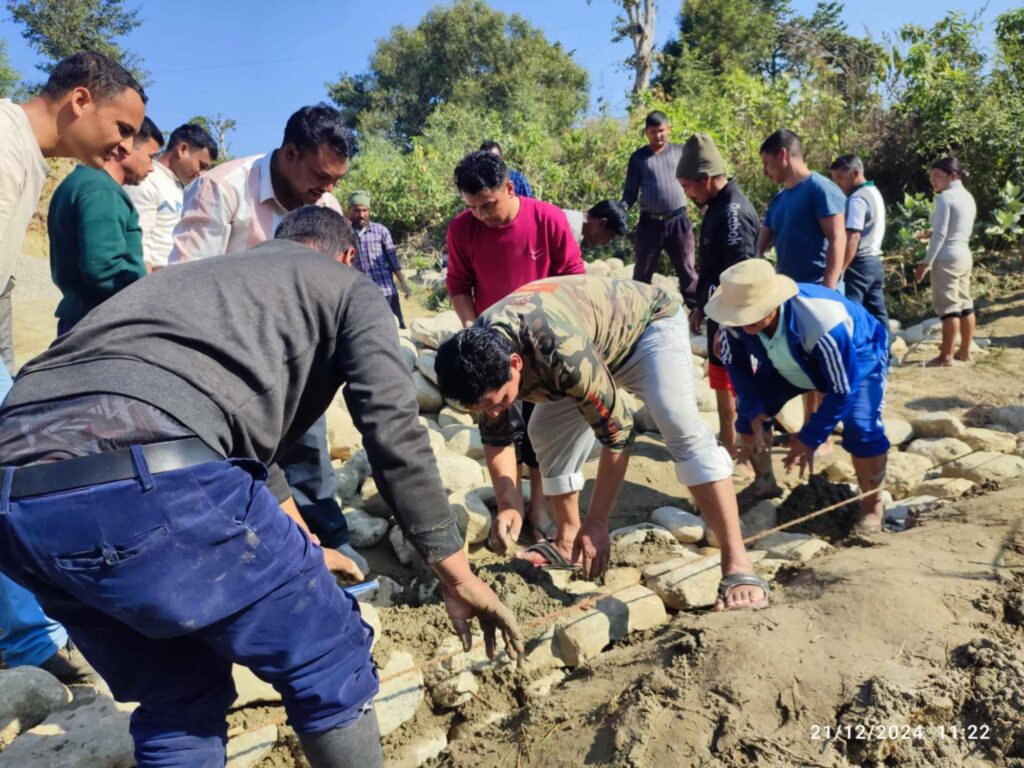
<point x="101" y="75"/>
<point x="148" y="130"/>
<point x="783" y="139"/>
<point x="655" y="118"/>
<point x="949" y="164"/>
<point x="613" y="212"/>
<point x="311" y="127"/>
<point x="480" y="170"/>
<point x="195" y="136"/>
<point x="847" y="163"/>
<point x="490" y="145"/>
<point x="471" y="363"/>
<point x="318" y="227"/>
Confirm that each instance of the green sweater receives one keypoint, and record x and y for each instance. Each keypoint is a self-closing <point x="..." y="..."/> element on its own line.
<point x="95" y="241"/>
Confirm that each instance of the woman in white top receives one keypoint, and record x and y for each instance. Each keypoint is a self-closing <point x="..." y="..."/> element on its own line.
<point x="949" y="259"/>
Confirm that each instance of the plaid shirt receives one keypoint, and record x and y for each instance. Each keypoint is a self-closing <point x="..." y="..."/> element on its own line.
<point x="376" y="256"/>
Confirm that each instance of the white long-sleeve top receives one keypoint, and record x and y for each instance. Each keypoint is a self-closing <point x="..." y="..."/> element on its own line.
<point x="952" y="223"/>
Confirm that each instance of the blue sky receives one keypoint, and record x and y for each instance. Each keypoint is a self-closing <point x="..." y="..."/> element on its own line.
<point x="259" y="60"/>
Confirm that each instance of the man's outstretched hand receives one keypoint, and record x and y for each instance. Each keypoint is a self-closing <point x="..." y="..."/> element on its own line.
<point x="470" y="598"/>
<point x="343" y="568"/>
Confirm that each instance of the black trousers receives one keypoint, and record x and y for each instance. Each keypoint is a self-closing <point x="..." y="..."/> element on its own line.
<point x="675" y="237"/>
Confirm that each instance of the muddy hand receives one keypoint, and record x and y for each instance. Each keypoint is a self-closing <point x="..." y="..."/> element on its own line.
<point x="472" y="598"/>
<point x="800" y="455"/>
<point x="505" y="530"/>
<point x="594" y="547"/>
<point x="344" y="570"/>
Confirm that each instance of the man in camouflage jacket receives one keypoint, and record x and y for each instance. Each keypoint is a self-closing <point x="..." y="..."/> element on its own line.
<point x="572" y="345"/>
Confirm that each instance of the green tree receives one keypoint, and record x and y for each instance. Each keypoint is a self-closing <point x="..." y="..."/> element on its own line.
<point x="219" y="127"/>
<point x="466" y="54"/>
<point x="9" y="76"/>
<point x="58" y="28"/>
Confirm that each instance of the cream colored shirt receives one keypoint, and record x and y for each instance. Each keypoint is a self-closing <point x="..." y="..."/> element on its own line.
<point x="229" y="209"/>
<point x="158" y="200"/>
<point x="23" y="170"/>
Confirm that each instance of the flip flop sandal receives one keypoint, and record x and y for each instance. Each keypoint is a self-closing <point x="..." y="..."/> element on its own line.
<point x="556" y="560"/>
<point x="743" y="579"/>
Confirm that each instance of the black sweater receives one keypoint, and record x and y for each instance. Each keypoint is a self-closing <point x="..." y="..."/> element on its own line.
<point x="247" y="351"/>
<point x="728" y="235"/>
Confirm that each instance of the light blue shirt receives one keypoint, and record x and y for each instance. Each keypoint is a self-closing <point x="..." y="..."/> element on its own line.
<point x="779" y="353"/>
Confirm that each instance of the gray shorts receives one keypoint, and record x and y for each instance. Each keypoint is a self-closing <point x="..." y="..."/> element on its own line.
<point x="660" y="374"/>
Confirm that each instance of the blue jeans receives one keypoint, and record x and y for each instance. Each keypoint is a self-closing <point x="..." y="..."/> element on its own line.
<point x="163" y="581"/>
<point x="307" y="466"/>
<point x="27" y="636"/>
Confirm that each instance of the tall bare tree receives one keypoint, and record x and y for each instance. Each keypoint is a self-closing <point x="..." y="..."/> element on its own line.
<point x="638" y="26"/>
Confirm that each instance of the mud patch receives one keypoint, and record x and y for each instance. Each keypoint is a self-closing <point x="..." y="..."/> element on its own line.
<point x="653" y="549"/>
<point x="817" y="494"/>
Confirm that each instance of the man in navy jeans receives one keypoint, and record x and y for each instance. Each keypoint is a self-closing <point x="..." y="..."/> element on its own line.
<point x="138" y="506"/>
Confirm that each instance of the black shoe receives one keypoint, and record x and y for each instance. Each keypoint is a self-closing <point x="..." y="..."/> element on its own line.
<point x="70" y="667"/>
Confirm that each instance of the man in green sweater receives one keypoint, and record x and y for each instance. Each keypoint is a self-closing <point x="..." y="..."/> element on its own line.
<point x="95" y="237"/>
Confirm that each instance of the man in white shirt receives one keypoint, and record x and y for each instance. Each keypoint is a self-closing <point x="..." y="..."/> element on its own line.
<point x="863" y="276"/>
<point x="90" y="109"/>
<point x="190" y="151"/>
<point x="238" y="205"/>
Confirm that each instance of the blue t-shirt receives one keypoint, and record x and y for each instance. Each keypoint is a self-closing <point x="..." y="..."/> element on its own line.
<point x="793" y="217"/>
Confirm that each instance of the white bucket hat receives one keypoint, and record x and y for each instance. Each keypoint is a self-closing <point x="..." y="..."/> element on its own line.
<point x="748" y="292"/>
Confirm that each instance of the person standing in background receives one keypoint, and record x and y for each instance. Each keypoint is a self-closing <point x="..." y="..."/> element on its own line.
<point x="728" y="235"/>
<point x="375" y="253"/>
<point x="663" y="223"/>
<point x="95" y="237"/>
<point x="240" y="204"/>
<point x="158" y="200"/>
<point x="949" y="259"/>
<point x="863" y="276"/>
<point x="520" y="184"/>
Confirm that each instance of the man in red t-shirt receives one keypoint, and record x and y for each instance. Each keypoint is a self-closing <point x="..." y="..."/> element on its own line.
<point x="501" y="242"/>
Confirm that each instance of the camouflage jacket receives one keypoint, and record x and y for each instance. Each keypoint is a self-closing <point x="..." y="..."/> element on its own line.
<point x="573" y="334"/>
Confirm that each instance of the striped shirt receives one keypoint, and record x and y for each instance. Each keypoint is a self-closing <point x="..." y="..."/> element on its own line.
<point x="376" y="257"/>
<point x="229" y="209"/>
<point x="652" y="177"/>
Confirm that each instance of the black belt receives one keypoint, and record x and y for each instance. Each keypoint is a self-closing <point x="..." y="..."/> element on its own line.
<point x="109" y="467"/>
<point x="662" y="216"/>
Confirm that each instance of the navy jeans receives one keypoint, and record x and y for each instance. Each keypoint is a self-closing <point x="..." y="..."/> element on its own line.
<point x="307" y="466"/>
<point x="865" y="285"/>
<point x="164" y="580"/>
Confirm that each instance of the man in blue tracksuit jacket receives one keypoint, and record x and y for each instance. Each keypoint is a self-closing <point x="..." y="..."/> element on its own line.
<point x="779" y="339"/>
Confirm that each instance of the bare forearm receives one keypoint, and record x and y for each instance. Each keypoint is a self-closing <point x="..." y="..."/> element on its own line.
<point x="464" y="308"/>
<point x="852" y="244"/>
<point x="611" y="472"/>
<point x="765" y="240"/>
<point x="503" y="469"/>
<point x="834" y="259"/>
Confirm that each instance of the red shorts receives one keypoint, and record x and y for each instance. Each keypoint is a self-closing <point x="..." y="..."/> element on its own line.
<point x="718" y="378"/>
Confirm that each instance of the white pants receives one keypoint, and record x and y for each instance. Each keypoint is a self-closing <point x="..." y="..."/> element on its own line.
<point x="660" y="374"/>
